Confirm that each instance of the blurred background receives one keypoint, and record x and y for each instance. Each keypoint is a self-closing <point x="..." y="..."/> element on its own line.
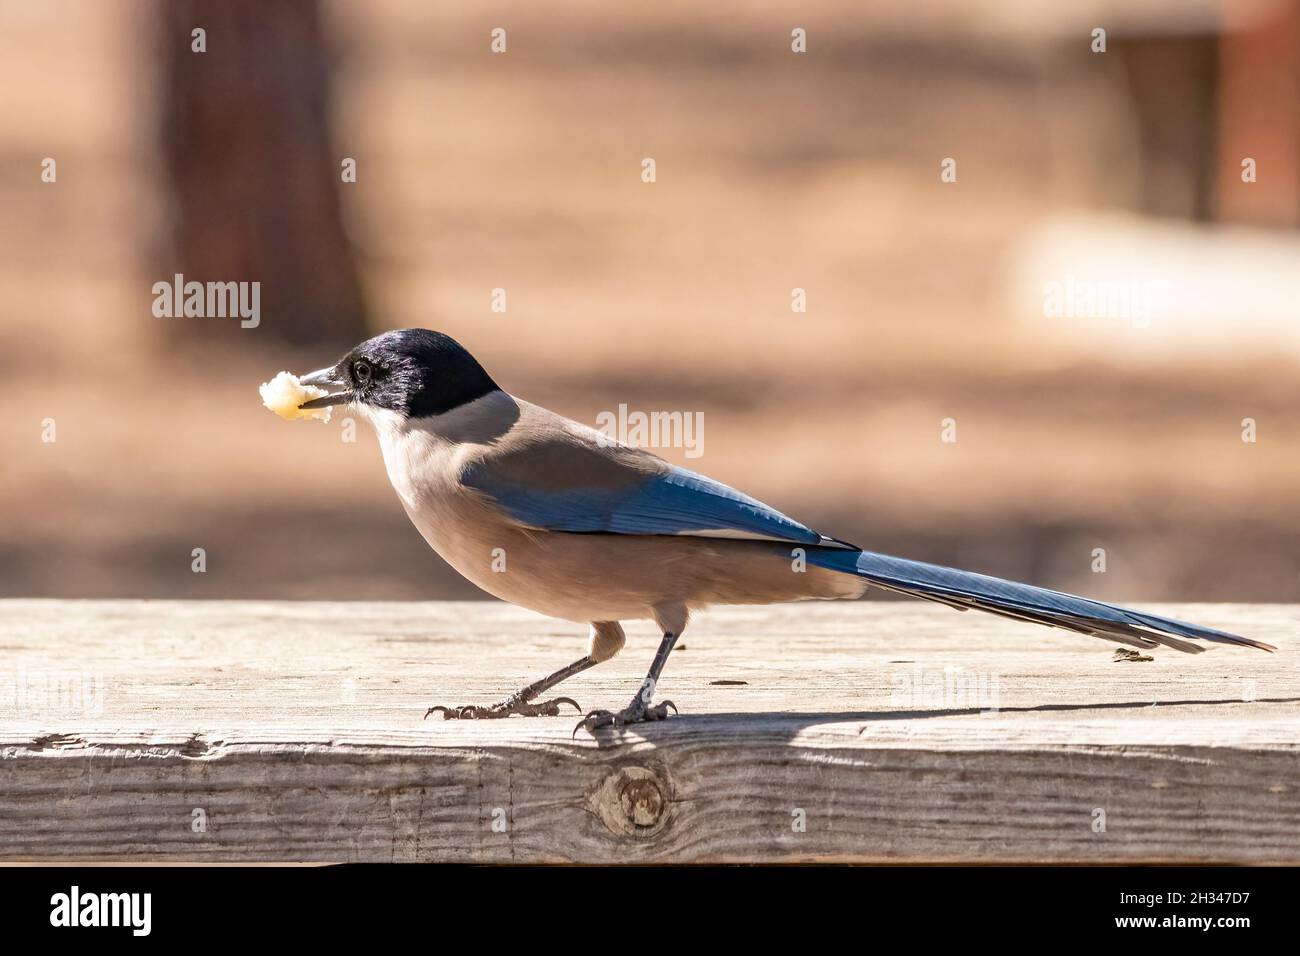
<point x="1081" y="421"/>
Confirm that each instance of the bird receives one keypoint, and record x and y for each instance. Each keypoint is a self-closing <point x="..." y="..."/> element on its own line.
<point x="553" y="515"/>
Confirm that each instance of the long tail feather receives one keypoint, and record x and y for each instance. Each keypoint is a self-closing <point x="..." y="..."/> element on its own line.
<point x="965" y="589"/>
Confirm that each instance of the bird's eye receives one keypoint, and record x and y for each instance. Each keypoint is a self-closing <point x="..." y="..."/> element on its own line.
<point x="361" y="371"/>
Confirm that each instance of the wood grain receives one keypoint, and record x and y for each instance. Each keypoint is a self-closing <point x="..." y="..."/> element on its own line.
<point x="870" y="731"/>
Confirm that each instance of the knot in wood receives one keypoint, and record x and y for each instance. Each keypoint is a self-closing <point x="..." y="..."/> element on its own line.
<point x="632" y="801"/>
<point x="642" y="801"/>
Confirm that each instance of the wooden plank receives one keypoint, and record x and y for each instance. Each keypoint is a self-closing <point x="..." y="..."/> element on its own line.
<point x="890" y="731"/>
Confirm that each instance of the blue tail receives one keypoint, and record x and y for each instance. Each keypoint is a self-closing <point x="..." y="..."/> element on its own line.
<point x="964" y="589"/>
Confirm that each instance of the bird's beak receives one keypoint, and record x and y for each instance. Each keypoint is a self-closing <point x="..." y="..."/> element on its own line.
<point x="326" y="378"/>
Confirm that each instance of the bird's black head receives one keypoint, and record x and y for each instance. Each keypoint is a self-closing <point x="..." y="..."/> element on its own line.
<point x="414" y="372"/>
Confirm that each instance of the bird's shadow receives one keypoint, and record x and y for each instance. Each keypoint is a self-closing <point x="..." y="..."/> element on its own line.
<point x="777" y="725"/>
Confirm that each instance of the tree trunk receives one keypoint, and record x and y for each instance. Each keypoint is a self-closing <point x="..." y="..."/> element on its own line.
<point x="245" y="130"/>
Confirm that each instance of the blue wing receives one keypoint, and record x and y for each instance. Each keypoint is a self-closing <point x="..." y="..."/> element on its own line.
<point x="673" y="501"/>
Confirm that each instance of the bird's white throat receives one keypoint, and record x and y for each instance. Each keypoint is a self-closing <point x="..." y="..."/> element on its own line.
<point x="423" y="456"/>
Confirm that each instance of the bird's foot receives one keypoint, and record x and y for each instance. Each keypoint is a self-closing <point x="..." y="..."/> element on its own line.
<point x="507" y="708"/>
<point x="636" y="712"/>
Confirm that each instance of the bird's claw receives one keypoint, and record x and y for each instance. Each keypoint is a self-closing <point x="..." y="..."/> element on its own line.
<point x="542" y="708"/>
<point x="636" y="712"/>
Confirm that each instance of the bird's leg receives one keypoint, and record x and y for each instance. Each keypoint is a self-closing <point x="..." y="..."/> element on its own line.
<point x="640" y="709"/>
<point x="520" y="702"/>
